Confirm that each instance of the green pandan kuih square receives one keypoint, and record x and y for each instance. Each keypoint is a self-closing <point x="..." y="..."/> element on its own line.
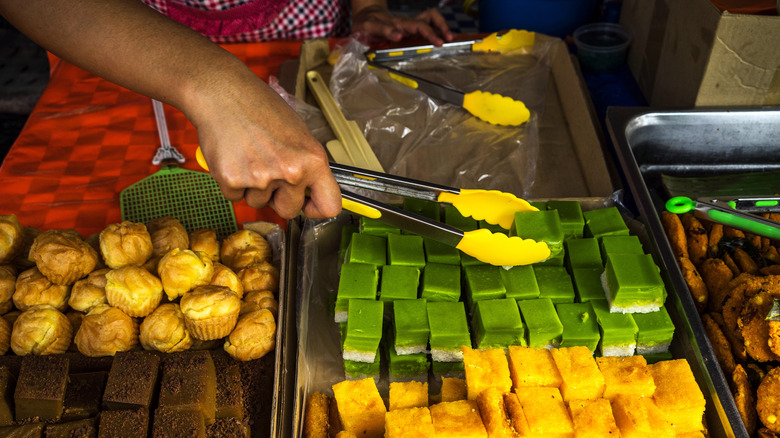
<point x="405" y="250"/>
<point x="367" y="248"/>
<point x="520" y="282"/>
<point x="440" y="282"/>
<point x="580" y="327"/>
<point x="410" y="326"/>
<point x="572" y="220"/>
<point x="543" y="327"/>
<point x="497" y="324"/>
<point x="583" y="253"/>
<point x="399" y="283"/>
<point x="604" y="222"/>
<point x="554" y="283"/>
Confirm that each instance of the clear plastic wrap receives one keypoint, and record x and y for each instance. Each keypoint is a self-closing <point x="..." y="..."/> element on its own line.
<point x="420" y="137"/>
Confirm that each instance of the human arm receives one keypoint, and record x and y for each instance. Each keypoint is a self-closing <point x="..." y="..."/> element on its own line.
<point x="374" y="19"/>
<point x="256" y="146"/>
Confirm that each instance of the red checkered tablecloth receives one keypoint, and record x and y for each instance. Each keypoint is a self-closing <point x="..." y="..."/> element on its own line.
<point x="87" y="139"/>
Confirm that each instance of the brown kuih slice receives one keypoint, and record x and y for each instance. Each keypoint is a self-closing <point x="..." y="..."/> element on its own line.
<point x="720" y="344"/>
<point x="716" y="276"/>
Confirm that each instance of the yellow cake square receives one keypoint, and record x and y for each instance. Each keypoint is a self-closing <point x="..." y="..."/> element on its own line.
<point x="593" y="419"/>
<point x="361" y="408"/>
<point x="485" y="369"/>
<point x="532" y="367"/>
<point x="626" y="375"/>
<point x="546" y="412"/>
<point x="408" y="395"/>
<point x="453" y="389"/>
<point x="678" y="395"/>
<point x="581" y="378"/>
<point x="409" y="423"/>
<point x="494" y="414"/>
<point x="639" y="417"/>
<point x="516" y="415"/>
<point x="458" y="419"/>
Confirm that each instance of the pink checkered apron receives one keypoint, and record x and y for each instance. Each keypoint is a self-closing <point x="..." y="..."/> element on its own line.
<point x="230" y="21"/>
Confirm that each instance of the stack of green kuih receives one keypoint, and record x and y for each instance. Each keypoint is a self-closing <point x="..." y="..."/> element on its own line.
<point x="413" y="302"/>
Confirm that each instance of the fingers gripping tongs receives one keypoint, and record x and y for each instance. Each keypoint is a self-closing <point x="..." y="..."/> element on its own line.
<point x="495" y="207"/>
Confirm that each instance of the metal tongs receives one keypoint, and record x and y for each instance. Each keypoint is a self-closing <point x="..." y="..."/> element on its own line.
<point x="734" y="212"/>
<point x="492" y="206"/>
<point x="492" y="108"/>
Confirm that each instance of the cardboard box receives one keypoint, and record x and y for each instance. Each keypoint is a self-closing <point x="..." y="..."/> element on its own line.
<point x="688" y="53"/>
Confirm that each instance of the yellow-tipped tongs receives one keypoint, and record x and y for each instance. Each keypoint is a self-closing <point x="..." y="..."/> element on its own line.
<point x="490" y="107"/>
<point x="495" y="207"/>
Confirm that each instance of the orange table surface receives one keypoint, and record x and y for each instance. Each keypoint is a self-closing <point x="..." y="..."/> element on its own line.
<point x="87" y="139"/>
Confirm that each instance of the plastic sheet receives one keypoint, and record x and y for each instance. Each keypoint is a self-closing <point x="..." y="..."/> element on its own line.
<point x="420" y="137"/>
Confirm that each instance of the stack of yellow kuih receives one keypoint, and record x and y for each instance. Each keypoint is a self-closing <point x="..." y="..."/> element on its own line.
<point x="562" y="392"/>
<point x="734" y="279"/>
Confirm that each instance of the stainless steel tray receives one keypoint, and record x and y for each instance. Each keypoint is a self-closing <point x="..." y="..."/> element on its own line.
<point x="706" y="142"/>
<point x="318" y="338"/>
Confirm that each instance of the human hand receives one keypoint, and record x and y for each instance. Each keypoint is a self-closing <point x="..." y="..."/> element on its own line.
<point x="258" y="148"/>
<point x="377" y="22"/>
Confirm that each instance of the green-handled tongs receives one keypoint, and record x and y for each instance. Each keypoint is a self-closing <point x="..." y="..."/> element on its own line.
<point x="721" y="211"/>
<point x="492" y="206"/>
<point x="495" y="207"/>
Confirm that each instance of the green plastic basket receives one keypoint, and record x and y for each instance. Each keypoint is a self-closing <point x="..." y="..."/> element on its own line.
<point x="191" y="197"/>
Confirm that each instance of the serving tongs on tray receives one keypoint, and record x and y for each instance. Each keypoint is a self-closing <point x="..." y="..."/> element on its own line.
<point x="734" y="212"/>
<point x="492" y="108"/>
<point x="492" y="206"/>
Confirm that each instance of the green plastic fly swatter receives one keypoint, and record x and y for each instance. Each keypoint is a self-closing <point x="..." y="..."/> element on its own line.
<point x="191" y="197"/>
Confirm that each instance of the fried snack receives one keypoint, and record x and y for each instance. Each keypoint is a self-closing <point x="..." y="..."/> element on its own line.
<point x="744" y="261"/>
<point x="210" y="312"/>
<point x="125" y="243"/>
<point x="733" y="232"/>
<point x="675" y="233"/>
<point x="224" y="276"/>
<point x="164" y="330"/>
<point x="89" y="292"/>
<point x="7" y="282"/>
<point x="205" y="240"/>
<point x="720" y="344"/>
<point x="167" y="233"/>
<point x="6" y="306"/>
<point x="315" y="423"/>
<point x="716" y="276"/>
<point x="5" y="335"/>
<point x="243" y="248"/>
<point x="253" y="337"/>
<point x="770" y="270"/>
<point x="11" y="237"/>
<point x="744" y="398"/>
<point x="716" y="233"/>
<point x="696" y="285"/>
<point x="259" y="276"/>
<point x="106" y="330"/>
<point x="742" y="289"/>
<point x="766" y="433"/>
<point x="182" y="270"/>
<point x="263" y="299"/>
<point x="768" y="400"/>
<point x="33" y="288"/>
<point x="730" y="263"/>
<point x="334" y="420"/>
<point x="754" y="326"/>
<point x="696" y="237"/>
<point x="63" y="256"/>
<point x="774" y="337"/>
<point x="41" y="330"/>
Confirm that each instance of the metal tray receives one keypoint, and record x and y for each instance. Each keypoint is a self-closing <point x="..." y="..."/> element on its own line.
<point x="706" y="142"/>
<point x="318" y="368"/>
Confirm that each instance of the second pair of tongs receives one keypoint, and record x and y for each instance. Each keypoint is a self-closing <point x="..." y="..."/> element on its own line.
<point x="490" y="107"/>
<point x="732" y="212"/>
<point x="492" y="206"/>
